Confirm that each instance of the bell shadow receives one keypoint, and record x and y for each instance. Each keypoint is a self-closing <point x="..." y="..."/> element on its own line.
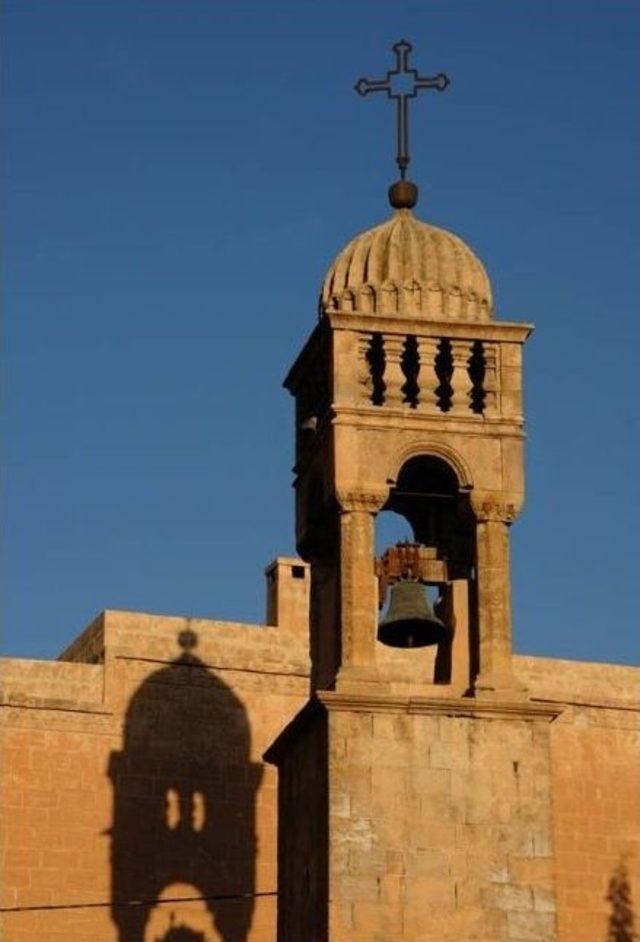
<point x="184" y="792"/>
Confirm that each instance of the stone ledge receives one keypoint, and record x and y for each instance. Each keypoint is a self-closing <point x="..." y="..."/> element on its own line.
<point x="24" y="702"/>
<point x="593" y="704"/>
<point x="461" y="706"/>
<point x="328" y="701"/>
<point x="506" y="331"/>
<point x="228" y="668"/>
<point x="374" y="417"/>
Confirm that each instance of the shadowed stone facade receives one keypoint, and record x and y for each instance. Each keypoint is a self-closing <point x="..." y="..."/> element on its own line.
<point x="188" y="781"/>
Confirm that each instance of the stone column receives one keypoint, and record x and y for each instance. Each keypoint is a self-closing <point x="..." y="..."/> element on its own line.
<point x="358" y="586"/>
<point x="428" y="380"/>
<point x="461" y="381"/>
<point x="493" y="575"/>
<point x="459" y="595"/>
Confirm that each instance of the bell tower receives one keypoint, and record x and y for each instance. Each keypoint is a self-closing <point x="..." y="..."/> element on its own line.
<point x="414" y="787"/>
<point x="408" y="398"/>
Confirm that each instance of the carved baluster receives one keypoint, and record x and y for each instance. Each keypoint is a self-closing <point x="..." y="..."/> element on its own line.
<point x="428" y="380"/>
<point x="461" y="383"/>
<point x="364" y="371"/>
<point x="394" y="377"/>
<point x="490" y="383"/>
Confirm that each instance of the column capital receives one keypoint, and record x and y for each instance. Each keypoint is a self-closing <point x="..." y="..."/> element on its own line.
<point x="499" y="509"/>
<point x="368" y="500"/>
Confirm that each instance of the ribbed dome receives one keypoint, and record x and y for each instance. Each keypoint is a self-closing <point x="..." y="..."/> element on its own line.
<point x="407" y="267"/>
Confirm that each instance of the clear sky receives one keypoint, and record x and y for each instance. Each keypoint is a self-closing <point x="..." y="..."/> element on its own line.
<point x="180" y="173"/>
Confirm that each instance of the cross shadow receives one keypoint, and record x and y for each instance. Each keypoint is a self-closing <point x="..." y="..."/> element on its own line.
<point x="620" y="927"/>
<point x="183" y="809"/>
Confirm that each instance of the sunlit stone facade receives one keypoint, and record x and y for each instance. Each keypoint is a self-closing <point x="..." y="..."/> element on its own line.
<point x="178" y="779"/>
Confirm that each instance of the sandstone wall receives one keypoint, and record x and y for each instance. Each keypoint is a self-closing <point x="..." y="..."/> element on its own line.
<point x="595" y="755"/>
<point x="440" y="825"/>
<point x="103" y="763"/>
<point x="303" y="831"/>
<point x="141" y="779"/>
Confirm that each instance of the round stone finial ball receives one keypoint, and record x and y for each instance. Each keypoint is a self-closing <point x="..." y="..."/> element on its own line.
<point x="403" y="194"/>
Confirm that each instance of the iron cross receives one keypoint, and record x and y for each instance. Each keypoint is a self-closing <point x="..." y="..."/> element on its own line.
<point x="401" y="84"/>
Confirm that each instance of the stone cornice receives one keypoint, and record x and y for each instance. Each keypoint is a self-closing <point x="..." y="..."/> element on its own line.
<point x="330" y="701"/>
<point x="488" y="508"/>
<point x="359" y="498"/>
<point x="19" y="701"/>
<point x="593" y="703"/>
<point x="504" y="331"/>
<point x="384" y="417"/>
<point x="333" y="701"/>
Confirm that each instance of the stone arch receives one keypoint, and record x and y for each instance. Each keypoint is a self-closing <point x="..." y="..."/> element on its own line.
<point x="430" y="489"/>
<point x="436" y="450"/>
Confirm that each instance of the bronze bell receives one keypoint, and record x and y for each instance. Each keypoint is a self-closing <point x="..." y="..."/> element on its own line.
<point x="410" y="621"/>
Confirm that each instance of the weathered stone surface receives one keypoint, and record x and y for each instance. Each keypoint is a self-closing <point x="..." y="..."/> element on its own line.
<point x="426" y="809"/>
<point x="455" y="793"/>
<point x="88" y="748"/>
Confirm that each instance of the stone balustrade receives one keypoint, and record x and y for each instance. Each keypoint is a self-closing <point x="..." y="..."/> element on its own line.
<point x="432" y="374"/>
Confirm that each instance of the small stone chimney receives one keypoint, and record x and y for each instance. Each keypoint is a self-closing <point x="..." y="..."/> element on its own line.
<point x="288" y="582"/>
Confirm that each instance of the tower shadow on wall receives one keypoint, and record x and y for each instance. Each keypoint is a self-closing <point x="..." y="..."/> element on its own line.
<point x="184" y="809"/>
<point x="620" y="927"/>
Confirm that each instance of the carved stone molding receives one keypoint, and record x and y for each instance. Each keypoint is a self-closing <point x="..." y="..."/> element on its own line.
<point x="363" y="499"/>
<point x="493" y="509"/>
<point x="329" y="701"/>
<point x="454" y="706"/>
<point x="428" y="446"/>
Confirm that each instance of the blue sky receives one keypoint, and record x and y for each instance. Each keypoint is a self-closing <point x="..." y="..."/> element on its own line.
<point x="180" y="173"/>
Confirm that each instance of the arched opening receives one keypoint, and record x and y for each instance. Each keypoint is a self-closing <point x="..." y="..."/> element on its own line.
<point x="391" y="528"/>
<point x="425" y="533"/>
<point x="428" y="496"/>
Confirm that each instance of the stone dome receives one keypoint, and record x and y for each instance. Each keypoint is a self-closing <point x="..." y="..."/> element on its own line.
<point x="407" y="267"/>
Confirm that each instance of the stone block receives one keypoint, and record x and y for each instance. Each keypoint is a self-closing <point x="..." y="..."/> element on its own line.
<point x="444" y="756"/>
<point x="508" y="897"/>
<point x="531" y="927"/>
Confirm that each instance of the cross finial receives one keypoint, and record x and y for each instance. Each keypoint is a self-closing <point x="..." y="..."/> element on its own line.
<point x="402" y="84"/>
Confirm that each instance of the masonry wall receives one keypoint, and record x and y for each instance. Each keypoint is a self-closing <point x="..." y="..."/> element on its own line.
<point x="141" y="779"/>
<point x="92" y="750"/>
<point x="441" y="826"/>
<point x="303" y="832"/>
<point x="595" y="756"/>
